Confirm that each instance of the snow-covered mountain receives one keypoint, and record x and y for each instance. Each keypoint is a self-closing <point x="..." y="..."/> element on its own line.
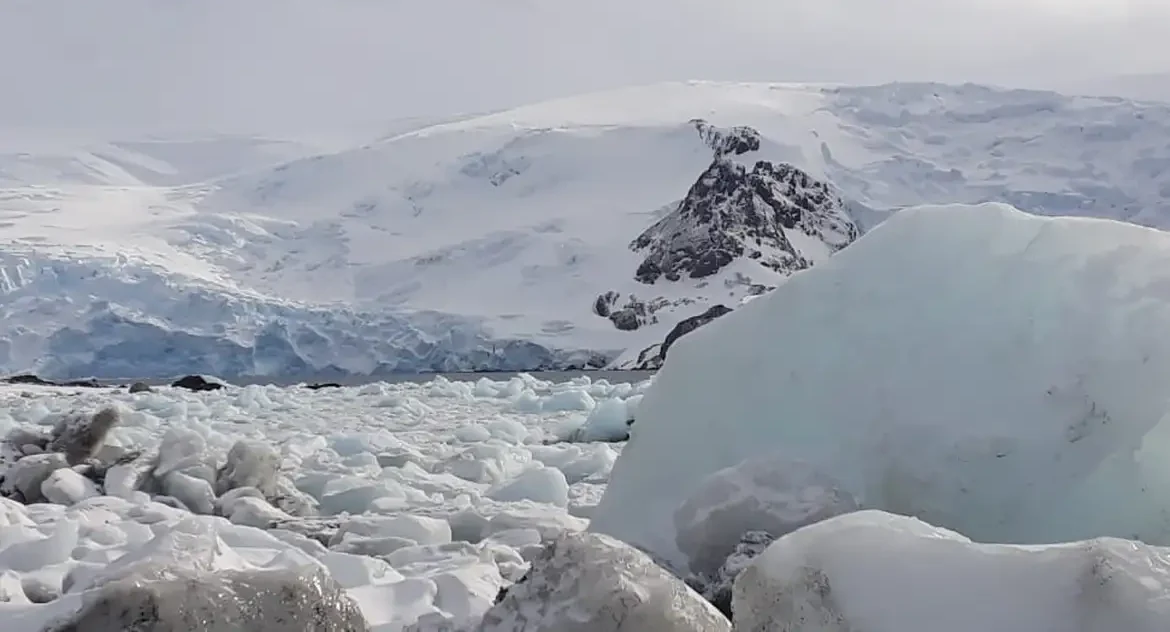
<point x="569" y="232"/>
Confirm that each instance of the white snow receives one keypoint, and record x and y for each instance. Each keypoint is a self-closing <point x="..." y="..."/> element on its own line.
<point x="421" y="521"/>
<point x="879" y="572"/>
<point x="363" y="259"/>
<point x="989" y="371"/>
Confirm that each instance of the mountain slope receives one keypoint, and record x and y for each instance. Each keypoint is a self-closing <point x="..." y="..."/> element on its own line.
<point x="440" y="247"/>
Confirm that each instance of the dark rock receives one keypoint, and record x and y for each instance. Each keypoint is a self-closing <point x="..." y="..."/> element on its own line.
<point x="604" y="303"/>
<point x="653" y="356"/>
<point x="635" y="312"/>
<point x="196" y="383"/>
<point x="37" y="381"/>
<point x="320" y="385"/>
<point x="687" y="325"/>
<point x="628" y="319"/>
<point x="186" y="600"/>
<point x="140" y="387"/>
<point x="733" y="141"/>
<point x="21" y="437"/>
<point x="731" y="212"/>
<point x="717" y="589"/>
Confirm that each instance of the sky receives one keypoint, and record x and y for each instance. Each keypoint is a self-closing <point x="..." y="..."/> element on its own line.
<point x="289" y="66"/>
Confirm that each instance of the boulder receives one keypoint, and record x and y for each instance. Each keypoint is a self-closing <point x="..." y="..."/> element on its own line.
<point x="196" y="383"/>
<point x="587" y="582"/>
<point x="285" y="600"/>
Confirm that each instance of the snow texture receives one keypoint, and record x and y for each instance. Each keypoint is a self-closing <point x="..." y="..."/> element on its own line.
<point x="586" y="582"/>
<point x="362" y="259"/>
<point x="989" y="371"/>
<point x="879" y="572"/>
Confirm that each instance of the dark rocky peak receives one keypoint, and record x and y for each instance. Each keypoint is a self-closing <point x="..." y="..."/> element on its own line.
<point x="727" y="141"/>
<point x="733" y="212"/>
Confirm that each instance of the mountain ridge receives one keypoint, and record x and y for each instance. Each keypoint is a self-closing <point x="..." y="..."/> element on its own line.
<point x="512" y="225"/>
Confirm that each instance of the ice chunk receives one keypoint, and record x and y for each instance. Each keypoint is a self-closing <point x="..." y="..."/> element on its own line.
<point x="195" y="493"/>
<point x="124" y="479"/>
<point x="608" y="421"/>
<point x="568" y="400"/>
<point x="420" y="529"/>
<point x="67" y="487"/>
<point x="994" y="372"/>
<point x="20" y="438"/>
<point x="30" y="555"/>
<point x="255" y="512"/>
<point x="767" y="493"/>
<point x="180" y="449"/>
<point x="881" y="572"/>
<point x="26" y="475"/>
<point x="539" y="484"/>
<point x="587" y="582"/>
<point x="79" y="437"/>
<point x="250" y="464"/>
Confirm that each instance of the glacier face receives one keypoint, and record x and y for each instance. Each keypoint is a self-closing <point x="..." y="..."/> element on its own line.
<point x="148" y="323"/>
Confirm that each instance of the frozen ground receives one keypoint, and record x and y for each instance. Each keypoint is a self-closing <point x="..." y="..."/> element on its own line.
<point x="482" y="241"/>
<point x="440" y="490"/>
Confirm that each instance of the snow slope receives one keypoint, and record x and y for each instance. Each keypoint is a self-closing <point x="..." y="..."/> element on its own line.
<point x="485" y="242"/>
<point x="1154" y="86"/>
<point x="986" y="370"/>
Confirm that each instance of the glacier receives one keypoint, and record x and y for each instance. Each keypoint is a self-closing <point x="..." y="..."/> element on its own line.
<point x="484" y="242"/>
<point x="142" y="321"/>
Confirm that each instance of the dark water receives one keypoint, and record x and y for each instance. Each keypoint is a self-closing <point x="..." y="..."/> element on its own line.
<point x="614" y="377"/>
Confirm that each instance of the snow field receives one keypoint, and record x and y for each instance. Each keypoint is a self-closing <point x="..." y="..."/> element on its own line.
<point x="420" y="500"/>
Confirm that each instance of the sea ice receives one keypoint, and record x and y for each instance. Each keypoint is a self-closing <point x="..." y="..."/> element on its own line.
<point x="298" y="486"/>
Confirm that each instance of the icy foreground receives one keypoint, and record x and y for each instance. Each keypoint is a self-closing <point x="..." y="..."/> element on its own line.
<point x="989" y="371"/>
<point x="546" y="236"/>
<point x="878" y="572"/>
<point x="407" y="506"/>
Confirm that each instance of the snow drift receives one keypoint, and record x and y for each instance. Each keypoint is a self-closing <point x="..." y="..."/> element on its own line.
<point x="989" y="371"/>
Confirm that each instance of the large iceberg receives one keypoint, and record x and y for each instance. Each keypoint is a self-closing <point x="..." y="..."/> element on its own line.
<point x="992" y="372"/>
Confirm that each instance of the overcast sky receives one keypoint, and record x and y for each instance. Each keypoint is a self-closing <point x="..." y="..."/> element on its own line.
<point x="280" y="65"/>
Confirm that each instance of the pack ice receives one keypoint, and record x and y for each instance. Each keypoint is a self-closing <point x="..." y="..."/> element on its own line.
<point x="991" y="372"/>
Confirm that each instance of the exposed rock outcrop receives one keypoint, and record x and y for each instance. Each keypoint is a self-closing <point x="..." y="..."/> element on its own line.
<point x="733" y="212"/>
